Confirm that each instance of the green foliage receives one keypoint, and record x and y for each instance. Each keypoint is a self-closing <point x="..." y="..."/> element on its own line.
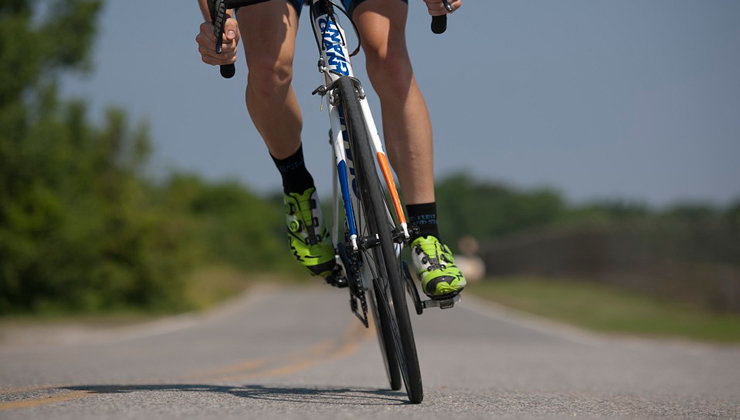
<point x="77" y="230"/>
<point x="32" y="49"/>
<point x="230" y="224"/>
<point x="81" y="229"/>
<point x="72" y="216"/>
<point x="488" y="210"/>
<point x="606" y="308"/>
<point x="732" y="218"/>
<point x="605" y="213"/>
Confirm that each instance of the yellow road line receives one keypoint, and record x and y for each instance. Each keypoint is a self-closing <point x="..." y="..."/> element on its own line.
<point x="51" y="399"/>
<point x="32" y="388"/>
<point x="323" y="351"/>
<point x="353" y="338"/>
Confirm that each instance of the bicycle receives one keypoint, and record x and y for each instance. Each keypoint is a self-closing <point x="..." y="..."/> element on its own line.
<point x="368" y="254"/>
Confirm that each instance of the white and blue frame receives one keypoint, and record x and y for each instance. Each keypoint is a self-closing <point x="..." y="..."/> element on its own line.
<point x="334" y="63"/>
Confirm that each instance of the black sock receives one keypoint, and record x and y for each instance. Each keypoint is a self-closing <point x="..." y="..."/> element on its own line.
<point x="296" y="178"/>
<point x="424" y="217"/>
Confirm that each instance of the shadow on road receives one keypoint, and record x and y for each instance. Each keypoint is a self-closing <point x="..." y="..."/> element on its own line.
<point x="313" y="395"/>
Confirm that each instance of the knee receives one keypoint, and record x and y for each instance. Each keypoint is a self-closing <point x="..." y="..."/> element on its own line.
<point x="269" y="77"/>
<point x="389" y="70"/>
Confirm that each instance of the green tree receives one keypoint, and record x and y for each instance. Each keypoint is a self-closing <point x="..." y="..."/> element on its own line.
<point x="231" y="224"/>
<point x="76" y="229"/>
<point x="488" y="210"/>
<point x="81" y="227"/>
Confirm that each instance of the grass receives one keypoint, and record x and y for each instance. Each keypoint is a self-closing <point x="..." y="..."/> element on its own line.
<point x="211" y="285"/>
<point x="607" y="309"/>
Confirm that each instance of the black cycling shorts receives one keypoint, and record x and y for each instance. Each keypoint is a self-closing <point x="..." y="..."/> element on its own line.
<point x="349" y="5"/>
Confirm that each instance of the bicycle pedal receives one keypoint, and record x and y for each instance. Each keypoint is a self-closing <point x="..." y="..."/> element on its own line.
<point x="441" y="303"/>
<point x="336" y="279"/>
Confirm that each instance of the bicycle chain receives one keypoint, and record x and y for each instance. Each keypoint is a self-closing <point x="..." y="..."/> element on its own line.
<point x="356" y="290"/>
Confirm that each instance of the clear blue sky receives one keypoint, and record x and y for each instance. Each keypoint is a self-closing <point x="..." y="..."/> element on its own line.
<point x="632" y="99"/>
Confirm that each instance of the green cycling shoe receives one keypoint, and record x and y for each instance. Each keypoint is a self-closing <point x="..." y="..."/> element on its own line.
<point x="435" y="267"/>
<point x="308" y="238"/>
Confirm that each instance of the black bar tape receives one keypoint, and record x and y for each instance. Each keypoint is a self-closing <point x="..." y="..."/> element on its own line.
<point x="439" y="24"/>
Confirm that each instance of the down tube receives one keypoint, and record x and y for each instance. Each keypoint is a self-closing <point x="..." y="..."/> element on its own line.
<point x="337" y="142"/>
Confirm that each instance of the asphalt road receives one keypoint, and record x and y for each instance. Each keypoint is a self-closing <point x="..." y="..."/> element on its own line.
<point x="298" y="352"/>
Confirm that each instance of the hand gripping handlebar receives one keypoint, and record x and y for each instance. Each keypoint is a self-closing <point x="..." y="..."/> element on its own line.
<point x="217" y="8"/>
<point x="439" y="23"/>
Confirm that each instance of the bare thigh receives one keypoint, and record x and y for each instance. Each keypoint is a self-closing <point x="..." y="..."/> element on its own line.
<point x="406" y="124"/>
<point x="268" y="31"/>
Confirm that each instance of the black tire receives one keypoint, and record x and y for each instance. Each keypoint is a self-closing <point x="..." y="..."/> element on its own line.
<point x="381" y="316"/>
<point x="389" y="285"/>
<point x="385" y="338"/>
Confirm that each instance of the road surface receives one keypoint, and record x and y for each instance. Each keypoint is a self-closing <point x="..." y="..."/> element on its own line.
<point x="298" y="353"/>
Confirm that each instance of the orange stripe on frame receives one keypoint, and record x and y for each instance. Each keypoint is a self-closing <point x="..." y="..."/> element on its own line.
<point x="386" y="169"/>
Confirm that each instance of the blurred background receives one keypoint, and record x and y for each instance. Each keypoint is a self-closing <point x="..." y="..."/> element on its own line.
<point x="586" y="160"/>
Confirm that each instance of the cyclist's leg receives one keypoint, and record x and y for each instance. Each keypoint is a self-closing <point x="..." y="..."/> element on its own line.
<point x="268" y="31"/>
<point x="408" y="134"/>
<point x="406" y="124"/>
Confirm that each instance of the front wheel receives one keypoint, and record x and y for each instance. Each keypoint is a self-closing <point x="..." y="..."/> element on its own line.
<point x="382" y="319"/>
<point x="386" y="268"/>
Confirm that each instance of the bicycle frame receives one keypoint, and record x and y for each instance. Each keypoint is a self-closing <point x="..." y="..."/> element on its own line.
<point x="334" y="63"/>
